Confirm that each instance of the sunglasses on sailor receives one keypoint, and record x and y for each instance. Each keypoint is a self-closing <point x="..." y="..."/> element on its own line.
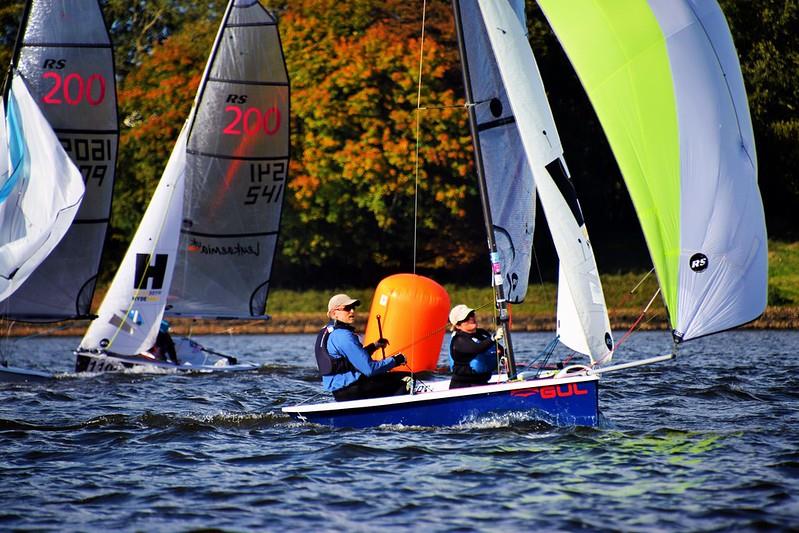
<point x="470" y="318"/>
<point x="346" y="308"/>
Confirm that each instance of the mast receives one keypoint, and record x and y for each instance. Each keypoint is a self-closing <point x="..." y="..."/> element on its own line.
<point x="496" y="266"/>
<point x="17" y="47"/>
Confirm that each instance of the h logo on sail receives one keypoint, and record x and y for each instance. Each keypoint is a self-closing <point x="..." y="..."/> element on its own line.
<point x="152" y="273"/>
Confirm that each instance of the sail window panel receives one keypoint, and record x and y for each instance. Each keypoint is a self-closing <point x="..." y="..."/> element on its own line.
<point x="225" y="197"/>
<point x="49" y="301"/>
<point x="242" y="121"/>
<point x="222" y="277"/>
<point x="250" y="40"/>
<point x="77" y="91"/>
<point x="65" y="21"/>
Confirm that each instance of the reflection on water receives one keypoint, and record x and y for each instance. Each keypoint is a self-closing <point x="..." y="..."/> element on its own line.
<point x="707" y="441"/>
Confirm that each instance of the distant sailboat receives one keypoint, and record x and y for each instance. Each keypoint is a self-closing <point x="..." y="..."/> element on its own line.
<point x="61" y="144"/>
<point x="206" y="243"/>
<point x="517" y="150"/>
<point x="65" y="56"/>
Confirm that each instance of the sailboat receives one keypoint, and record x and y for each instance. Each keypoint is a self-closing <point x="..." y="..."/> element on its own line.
<point x="63" y="137"/>
<point x="517" y="151"/>
<point x="206" y="243"/>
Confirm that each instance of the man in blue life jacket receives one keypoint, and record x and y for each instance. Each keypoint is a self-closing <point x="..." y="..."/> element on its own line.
<point x="472" y="350"/>
<point x="345" y="364"/>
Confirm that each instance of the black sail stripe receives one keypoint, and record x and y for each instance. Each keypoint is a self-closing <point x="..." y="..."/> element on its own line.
<point x="229" y="235"/>
<point x="237" y="158"/>
<point x="496" y="123"/>
<point x="247" y="82"/>
<point x="69" y="45"/>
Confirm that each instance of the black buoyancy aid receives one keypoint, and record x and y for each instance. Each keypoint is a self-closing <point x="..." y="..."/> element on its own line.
<point x="329" y="365"/>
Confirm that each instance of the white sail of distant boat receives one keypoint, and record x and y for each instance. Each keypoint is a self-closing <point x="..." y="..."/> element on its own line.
<point x="664" y="79"/>
<point x="207" y="241"/>
<point x="582" y="322"/>
<point x="66" y="59"/>
<point x="40" y="192"/>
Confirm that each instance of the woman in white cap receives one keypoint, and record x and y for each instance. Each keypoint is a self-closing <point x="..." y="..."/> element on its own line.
<point x="347" y="369"/>
<point x="472" y="350"/>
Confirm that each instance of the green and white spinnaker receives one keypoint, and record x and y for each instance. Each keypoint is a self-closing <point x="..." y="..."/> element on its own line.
<point x="666" y="84"/>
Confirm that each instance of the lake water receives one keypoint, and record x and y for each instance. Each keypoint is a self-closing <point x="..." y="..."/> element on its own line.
<point x="709" y="441"/>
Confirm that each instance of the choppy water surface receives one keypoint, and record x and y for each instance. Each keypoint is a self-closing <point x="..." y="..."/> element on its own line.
<point x="706" y="442"/>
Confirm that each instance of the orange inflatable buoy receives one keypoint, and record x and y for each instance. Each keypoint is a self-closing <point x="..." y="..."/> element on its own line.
<point x="412" y="313"/>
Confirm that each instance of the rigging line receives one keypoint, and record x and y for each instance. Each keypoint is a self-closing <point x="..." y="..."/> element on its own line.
<point x="418" y="123"/>
<point x="628" y="296"/>
<point x="630" y="331"/>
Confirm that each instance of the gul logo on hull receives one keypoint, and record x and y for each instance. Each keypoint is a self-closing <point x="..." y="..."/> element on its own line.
<point x="552" y="391"/>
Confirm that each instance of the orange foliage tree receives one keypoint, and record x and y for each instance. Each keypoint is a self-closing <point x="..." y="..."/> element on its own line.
<point x="355" y="196"/>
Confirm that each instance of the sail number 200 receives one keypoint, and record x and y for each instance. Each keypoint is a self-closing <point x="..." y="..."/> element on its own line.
<point x="73" y="88"/>
<point x="252" y="120"/>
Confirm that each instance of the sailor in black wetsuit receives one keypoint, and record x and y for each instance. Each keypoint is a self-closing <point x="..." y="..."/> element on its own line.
<point x="472" y="350"/>
<point x="164" y="347"/>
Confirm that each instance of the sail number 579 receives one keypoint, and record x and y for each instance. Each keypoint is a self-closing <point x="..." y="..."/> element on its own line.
<point x="252" y="120"/>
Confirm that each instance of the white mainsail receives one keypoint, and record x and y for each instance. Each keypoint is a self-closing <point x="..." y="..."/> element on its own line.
<point x="583" y="323"/>
<point x="41" y="192"/>
<point x="131" y="312"/>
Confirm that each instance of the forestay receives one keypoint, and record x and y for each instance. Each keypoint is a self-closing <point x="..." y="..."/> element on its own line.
<point x="511" y="188"/>
<point x="236" y="171"/>
<point x="583" y="323"/>
<point x="67" y="61"/>
<point x="40" y="191"/>
<point x="666" y="84"/>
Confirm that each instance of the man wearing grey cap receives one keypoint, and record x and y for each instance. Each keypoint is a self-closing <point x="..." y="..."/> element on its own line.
<point x="347" y="369"/>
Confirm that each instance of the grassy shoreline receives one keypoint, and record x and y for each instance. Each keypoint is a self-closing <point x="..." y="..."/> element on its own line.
<point x="627" y="295"/>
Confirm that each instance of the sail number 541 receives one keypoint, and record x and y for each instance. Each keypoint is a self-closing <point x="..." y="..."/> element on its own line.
<point x="252" y="120"/>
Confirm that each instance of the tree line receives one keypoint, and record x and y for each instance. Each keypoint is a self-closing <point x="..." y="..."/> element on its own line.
<point x="358" y="205"/>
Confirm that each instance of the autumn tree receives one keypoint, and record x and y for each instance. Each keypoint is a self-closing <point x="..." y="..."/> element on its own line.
<point x="354" y="71"/>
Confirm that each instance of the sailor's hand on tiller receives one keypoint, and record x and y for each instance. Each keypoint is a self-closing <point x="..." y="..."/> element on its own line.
<point x="399" y="359"/>
<point x="381" y="343"/>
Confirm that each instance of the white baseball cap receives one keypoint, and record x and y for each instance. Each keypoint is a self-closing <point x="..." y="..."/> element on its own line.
<point x="459" y="313"/>
<point x="340" y="300"/>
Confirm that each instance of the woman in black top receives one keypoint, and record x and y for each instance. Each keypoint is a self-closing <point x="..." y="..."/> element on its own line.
<point x="472" y="350"/>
